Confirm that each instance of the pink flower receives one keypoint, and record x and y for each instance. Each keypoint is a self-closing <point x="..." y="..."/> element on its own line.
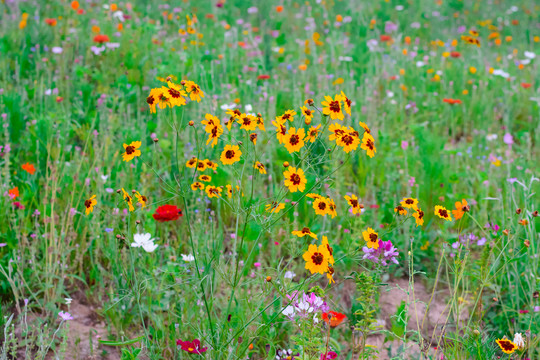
<point x="65" y="316"/>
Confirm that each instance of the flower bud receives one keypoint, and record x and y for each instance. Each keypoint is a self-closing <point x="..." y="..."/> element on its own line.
<point x="286" y="164"/>
<point x="191" y="123"/>
<point x="518" y="211"/>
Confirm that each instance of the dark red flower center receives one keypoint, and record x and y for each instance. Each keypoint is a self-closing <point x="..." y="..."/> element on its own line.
<point x="373" y="237"/>
<point x="334" y="106"/>
<point x="174" y="93"/>
<point x="130" y="150"/>
<point x="88" y="203"/>
<point x="150" y="100"/>
<point x="317" y="258"/>
<point x="295" y="139"/>
<point x="295" y="179"/>
<point x="443" y="213"/>
<point x="229" y="154"/>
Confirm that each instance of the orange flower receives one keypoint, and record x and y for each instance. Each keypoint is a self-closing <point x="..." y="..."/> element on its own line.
<point x="452" y="101"/>
<point x="458" y="213"/>
<point x="334" y="319"/>
<point x="14" y="193"/>
<point x="74" y="5"/>
<point x="50" y="22"/>
<point x="279" y="8"/>
<point x="29" y="168"/>
<point x="101" y="39"/>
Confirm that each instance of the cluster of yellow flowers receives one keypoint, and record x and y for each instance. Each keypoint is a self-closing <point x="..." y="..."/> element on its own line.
<point x="173" y="94"/>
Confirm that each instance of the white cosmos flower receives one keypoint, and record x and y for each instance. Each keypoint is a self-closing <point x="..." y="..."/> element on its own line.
<point x="529" y="54"/>
<point x="145" y="241"/>
<point x="519" y="341"/>
<point x="187" y="258"/>
<point x="289" y="275"/>
<point x="491" y="137"/>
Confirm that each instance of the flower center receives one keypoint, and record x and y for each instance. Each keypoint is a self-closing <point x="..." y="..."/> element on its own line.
<point x="307" y="112"/>
<point x="409" y="201"/>
<point x="354" y="203"/>
<point x="317" y="258"/>
<point x="347" y="139"/>
<point x="369" y="144"/>
<point x="130" y="150"/>
<point x="174" y="93"/>
<point x="88" y="203"/>
<point x="443" y="213"/>
<point x="306" y="230"/>
<point x="150" y="100"/>
<point x="373" y="237"/>
<point x="229" y="154"/>
<point x="295" y="139"/>
<point x="334" y="106"/>
<point x="295" y="178"/>
<point x="322" y="205"/>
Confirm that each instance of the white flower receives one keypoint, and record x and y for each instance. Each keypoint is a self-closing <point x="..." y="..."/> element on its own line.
<point x="145" y="241"/>
<point x="519" y="341"/>
<point x="68" y="300"/>
<point x="248" y="107"/>
<point x="289" y="311"/>
<point x="104" y="177"/>
<point x="491" y="137"/>
<point x="187" y="258"/>
<point x="419" y="64"/>
<point x="529" y="54"/>
<point x="227" y="106"/>
<point x="500" y="72"/>
<point x="119" y="15"/>
<point x="289" y="275"/>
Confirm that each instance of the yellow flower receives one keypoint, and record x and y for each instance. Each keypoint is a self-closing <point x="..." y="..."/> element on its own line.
<point x="230" y="154"/>
<point x="152" y="99"/>
<point x="368" y="144"/>
<point x="197" y="186"/>
<point x="355" y="205"/>
<point x="141" y="199"/>
<point x="507" y="346"/>
<point x="305" y="231"/>
<point x="346" y="103"/>
<point x="331" y="208"/>
<point x="294" y="140"/>
<point x="162" y="97"/>
<point x="205" y="178"/>
<point x="349" y="140"/>
<point x="288" y="115"/>
<point x="248" y="122"/>
<point x="400" y="210"/>
<point x="131" y="151"/>
<point x="214" y="135"/>
<point x="128" y="199"/>
<point x="441" y="212"/>
<point x="313" y="196"/>
<point x="260" y="122"/>
<point x="201" y="165"/>
<point x="175" y="94"/>
<point x="210" y="164"/>
<point x="209" y="122"/>
<point x="281" y="130"/>
<point x="308" y="115"/>
<point x="321" y="206"/>
<point x="316" y="259"/>
<point x="332" y="107"/>
<point x="371" y="238"/>
<point x="229" y="190"/>
<point x="336" y="130"/>
<point x="213" y="191"/>
<point x="409" y="203"/>
<point x="259" y="166"/>
<point x="365" y="127"/>
<point x="419" y="217"/>
<point x="195" y="92"/>
<point x="191" y="163"/>
<point x="89" y="204"/>
<point x="295" y="180"/>
<point x="313" y="133"/>
<point x="330" y="275"/>
<point x="274" y="207"/>
<point x="325" y="243"/>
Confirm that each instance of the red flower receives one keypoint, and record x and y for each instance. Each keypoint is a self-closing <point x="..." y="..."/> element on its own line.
<point x="335" y="318"/>
<point x="167" y="213"/>
<point x="385" y="38"/>
<point x="526" y="85"/>
<point x="455" y="54"/>
<point x="263" y="77"/>
<point x="50" y="22"/>
<point x="192" y="347"/>
<point x="29" y="168"/>
<point x="101" y="39"/>
<point x="452" y="101"/>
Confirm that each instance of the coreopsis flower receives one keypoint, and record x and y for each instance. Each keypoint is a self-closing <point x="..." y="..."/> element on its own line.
<point x="215" y="133"/>
<point x="260" y="122"/>
<point x="192" y="347"/>
<point x="128" y="199"/>
<point x="89" y="204"/>
<point x="274" y="207"/>
<point x="131" y="151"/>
<point x="346" y="103"/>
<point x="229" y="191"/>
<point x="333" y="318"/>
<point x="288" y="115"/>
<point x="365" y="127"/>
<point x="419" y="217"/>
<point x="230" y="154"/>
<point x="205" y="178"/>
<point x="441" y="212"/>
<point x="316" y="258"/>
<point x="191" y="163"/>
<point x="470" y="40"/>
<point x="247" y="122"/>
<point x="409" y="203"/>
<point x="210" y="164"/>
<point x="460" y="206"/>
<point x="313" y="133"/>
<point x="141" y="199"/>
<point x="152" y="99"/>
<point x="368" y="144"/>
<point x="259" y="166"/>
<point x="313" y="196"/>
<point x="507" y="346"/>
<point x="29" y="168"/>
<point x="295" y="179"/>
<point x="294" y="139"/>
<point x="331" y="208"/>
<point x="145" y="241"/>
<point x="213" y="191"/>
<point x="308" y="115"/>
<point x="336" y="130"/>
<point x="400" y="210"/>
<point x="253" y="138"/>
<point x="349" y="140"/>
<point x="332" y="107"/>
<point x="167" y="213"/>
<point x="325" y="243"/>
<point x="162" y="97"/>
<point x="209" y="122"/>
<point x="321" y="206"/>
<point x="281" y="130"/>
<point x="201" y="165"/>
<point x="194" y="91"/>
<point x="197" y="186"/>
<point x="176" y="94"/>
<point x="305" y="231"/>
<point x="371" y="238"/>
<point x="356" y="207"/>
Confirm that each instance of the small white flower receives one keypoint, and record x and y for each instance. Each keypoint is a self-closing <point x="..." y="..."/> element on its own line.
<point x="491" y="137"/>
<point x="227" y="106"/>
<point x="249" y="108"/>
<point x="187" y="258"/>
<point x="289" y="311"/>
<point x="529" y="54"/>
<point x="145" y="241"/>
<point x="419" y="64"/>
<point x="519" y="341"/>
<point x="289" y="275"/>
<point x="104" y="177"/>
<point x="68" y="300"/>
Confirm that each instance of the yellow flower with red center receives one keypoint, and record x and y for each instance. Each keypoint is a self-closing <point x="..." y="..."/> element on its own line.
<point x="313" y="133"/>
<point x="191" y="163"/>
<point x="128" y="199"/>
<point x="201" y="165"/>
<point x="259" y="166"/>
<point x="294" y="140"/>
<point x="131" y="151"/>
<point x="274" y="207"/>
<point x="281" y="130"/>
<point x="305" y="231"/>
<point x="316" y="258"/>
<point x="336" y="130"/>
<point x="419" y="217"/>
<point x="89" y="204"/>
<point x="332" y="208"/>
<point x="205" y="178"/>
<point x="162" y="97"/>
<point x="400" y="210"/>
<point x="213" y="191"/>
<point x="197" y="186"/>
<point x="409" y="203"/>
<point x="247" y="122"/>
<point x="371" y="238"/>
<point x="308" y="115"/>
<point x="260" y="122"/>
<point x="229" y="190"/>
<point x="356" y="207"/>
<point x="209" y="122"/>
<point x="441" y="212"/>
<point x="295" y="179"/>
<point x="332" y="107"/>
<point x="346" y="103"/>
<point x="215" y="133"/>
<point x="210" y="164"/>
<point x="152" y="99"/>
<point x="368" y="144"/>
<point x="141" y="199"/>
<point x="349" y="140"/>
<point x="321" y="206"/>
<point x="230" y="154"/>
<point x="507" y="346"/>
<point x="194" y="91"/>
<point x="365" y="127"/>
<point x="175" y="94"/>
<point x="288" y="115"/>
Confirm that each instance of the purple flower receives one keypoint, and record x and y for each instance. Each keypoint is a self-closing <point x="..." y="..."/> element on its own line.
<point x="481" y="242"/>
<point x="390" y="27"/>
<point x="65" y="316"/>
<point x="329" y="356"/>
<point x="508" y="139"/>
<point x="385" y="253"/>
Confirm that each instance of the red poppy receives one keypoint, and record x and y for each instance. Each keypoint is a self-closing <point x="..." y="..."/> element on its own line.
<point x="192" y="347"/>
<point x="50" y="22"/>
<point x="452" y="101"/>
<point x="455" y="54"/>
<point x="101" y="39"/>
<point x="335" y="318"/>
<point x="526" y="85"/>
<point x="167" y="213"/>
<point x="385" y="38"/>
<point x="263" y="77"/>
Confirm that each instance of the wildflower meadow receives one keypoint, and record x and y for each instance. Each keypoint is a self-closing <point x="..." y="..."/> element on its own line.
<point x="269" y="179"/>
